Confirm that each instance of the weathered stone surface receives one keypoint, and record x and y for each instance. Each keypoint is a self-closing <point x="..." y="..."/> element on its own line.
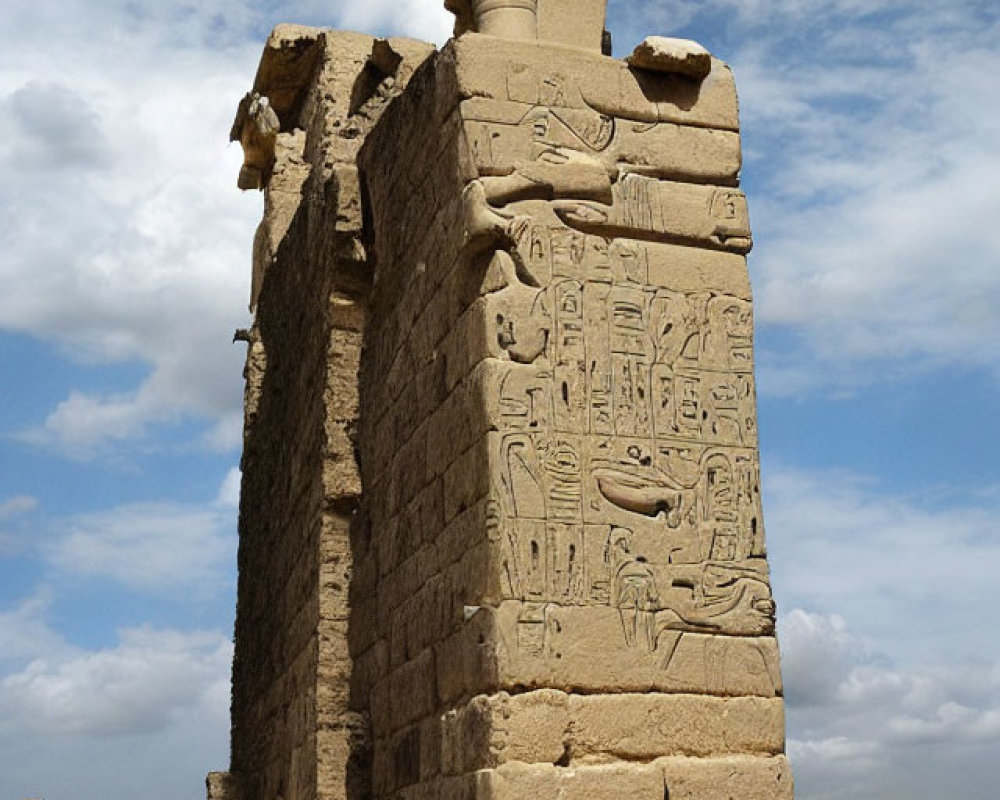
<point x="688" y="779"/>
<point x="221" y="786"/>
<point x="551" y="726"/>
<point x="677" y="56"/>
<point x="256" y="129"/>
<point x="523" y="72"/>
<point x="501" y="533"/>
<point x="577" y="24"/>
<point x="297" y="732"/>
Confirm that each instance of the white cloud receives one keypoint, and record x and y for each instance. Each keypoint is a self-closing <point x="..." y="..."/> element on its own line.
<point x="817" y="652"/>
<point x="917" y="571"/>
<point x="133" y="688"/>
<point x="24" y="632"/>
<point x="10" y="509"/>
<point x="876" y="236"/>
<point x="883" y="730"/>
<point x="49" y="126"/>
<point x="162" y="694"/>
<point x="870" y="129"/>
<point x="149" y="547"/>
<point x="227" y="434"/>
<point x="891" y="680"/>
<point x="419" y="19"/>
<point x="229" y="491"/>
<point x="125" y="237"/>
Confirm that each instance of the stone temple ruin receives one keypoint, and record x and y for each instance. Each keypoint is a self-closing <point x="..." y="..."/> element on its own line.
<point x="500" y="529"/>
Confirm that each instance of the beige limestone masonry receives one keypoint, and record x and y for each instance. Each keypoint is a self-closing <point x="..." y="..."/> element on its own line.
<point x="501" y="533"/>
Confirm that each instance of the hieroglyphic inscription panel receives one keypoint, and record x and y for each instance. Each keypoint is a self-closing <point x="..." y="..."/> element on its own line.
<point x="625" y="473"/>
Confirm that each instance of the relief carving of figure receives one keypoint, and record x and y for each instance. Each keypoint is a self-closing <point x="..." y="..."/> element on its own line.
<point x="633" y="588"/>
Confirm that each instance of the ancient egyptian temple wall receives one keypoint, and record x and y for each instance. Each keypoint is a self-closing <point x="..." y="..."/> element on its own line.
<point x="501" y="533"/>
<point x="294" y="734"/>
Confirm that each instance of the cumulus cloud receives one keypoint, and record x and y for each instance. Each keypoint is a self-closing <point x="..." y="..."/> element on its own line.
<point x="125" y="238"/>
<point x="161" y="692"/>
<point x="892" y="685"/>
<point x="155" y="691"/>
<point x="919" y="572"/>
<point x="48" y="125"/>
<point x="861" y="726"/>
<point x="133" y="688"/>
<point x="421" y="19"/>
<point x="25" y="633"/>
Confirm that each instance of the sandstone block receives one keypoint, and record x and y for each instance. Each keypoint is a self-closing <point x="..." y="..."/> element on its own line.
<point x="506" y="137"/>
<point x="467" y="479"/>
<point x="610" y="782"/>
<point x="221" y="786"/>
<point x="722" y="778"/>
<point x="574" y="648"/>
<point x="550" y="726"/>
<point x="676" y="56"/>
<point x="367" y="669"/>
<point x="653" y="210"/>
<point x="524" y="72"/>
<point x="645" y="726"/>
<point x="411" y="689"/>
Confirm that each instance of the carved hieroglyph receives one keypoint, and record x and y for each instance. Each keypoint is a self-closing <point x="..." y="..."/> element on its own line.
<point x="625" y="472"/>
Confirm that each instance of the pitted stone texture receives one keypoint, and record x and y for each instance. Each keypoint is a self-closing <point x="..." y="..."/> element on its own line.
<point x="676" y="56"/>
<point x="579" y="24"/>
<point x="297" y="732"/>
<point x="550" y="726"/>
<point x="221" y="786"/>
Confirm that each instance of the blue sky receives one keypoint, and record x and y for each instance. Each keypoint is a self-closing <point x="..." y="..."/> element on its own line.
<point x="871" y="163"/>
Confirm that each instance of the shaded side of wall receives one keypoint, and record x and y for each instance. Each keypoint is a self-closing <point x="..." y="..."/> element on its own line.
<point x="294" y="735"/>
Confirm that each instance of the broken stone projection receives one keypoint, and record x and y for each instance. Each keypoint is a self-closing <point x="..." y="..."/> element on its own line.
<point x="500" y="526"/>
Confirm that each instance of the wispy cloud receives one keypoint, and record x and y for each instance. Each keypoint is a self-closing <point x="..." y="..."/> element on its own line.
<point x="10" y="510"/>
<point x="151" y="546"/>
<point x="875" y="232"/>
<point x="14" y="506"/>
